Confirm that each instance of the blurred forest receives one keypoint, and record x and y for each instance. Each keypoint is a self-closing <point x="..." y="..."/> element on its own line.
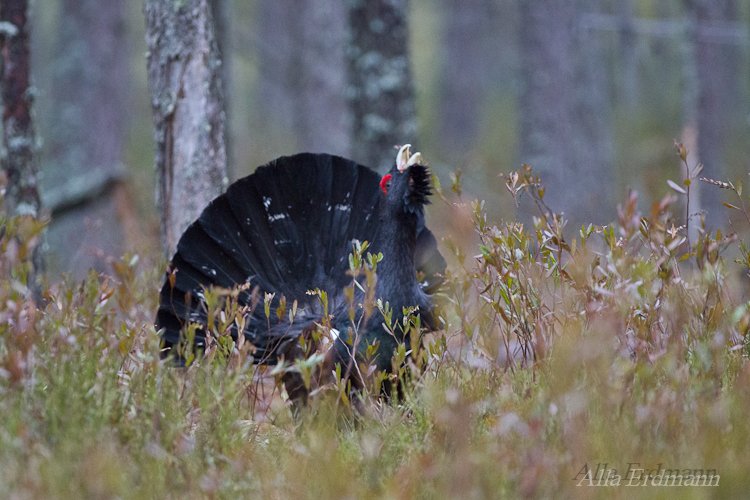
<point x="591" y="94"/>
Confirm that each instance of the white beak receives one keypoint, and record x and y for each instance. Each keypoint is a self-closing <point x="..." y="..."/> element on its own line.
<point x="404" y="158"/>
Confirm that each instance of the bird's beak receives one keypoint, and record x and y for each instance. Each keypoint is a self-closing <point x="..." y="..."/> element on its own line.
<point x="415" y="159"/>
<point x="404" y="158"/>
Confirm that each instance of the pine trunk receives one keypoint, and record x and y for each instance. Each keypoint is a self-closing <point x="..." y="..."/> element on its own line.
<point x="184" y="72"/>
<point x="381" y="92"/>
<point x="19" y="163"/>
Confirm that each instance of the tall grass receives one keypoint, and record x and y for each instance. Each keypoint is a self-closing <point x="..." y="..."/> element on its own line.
<point x="623" y="345"/>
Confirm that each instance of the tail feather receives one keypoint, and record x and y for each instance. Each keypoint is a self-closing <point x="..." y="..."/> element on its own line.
<point x="227" y="232"/>
<point x="248" y="206"/>
<point x="213" y="261"/>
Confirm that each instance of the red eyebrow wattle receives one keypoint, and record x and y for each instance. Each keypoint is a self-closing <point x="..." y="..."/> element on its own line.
<point x="384" y="183"/>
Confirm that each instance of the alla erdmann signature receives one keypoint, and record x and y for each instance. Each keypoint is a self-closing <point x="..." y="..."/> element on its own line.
<point x="638" y="474"/>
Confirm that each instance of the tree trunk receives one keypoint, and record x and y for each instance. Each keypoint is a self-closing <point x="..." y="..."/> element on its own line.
<point x="381" y="93"/>
<point x="546" y="104"/>
<point x="19" y="140"/>
<point x="322" y="83"/>
<point x="627" y="45"/>
<point x="717" y="67"/>
<point x="465" y="73"/>
<point x="689" y="131"/>
<point x="303" y="83"/>
<point x="18" y="162"/>
<point x="220" y="9"/>
<point x="83" y="162"/>
<point x="184" y="72"/>
<point x="275" y="97"/>
<point x="594" y="146"/>
<point x="564" y="119"/>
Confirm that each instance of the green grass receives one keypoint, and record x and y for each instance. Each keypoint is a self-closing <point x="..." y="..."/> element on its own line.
<point x="640" y="356"/>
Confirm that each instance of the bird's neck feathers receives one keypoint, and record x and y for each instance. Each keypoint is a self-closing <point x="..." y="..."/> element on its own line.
<point x="397" y="281"/>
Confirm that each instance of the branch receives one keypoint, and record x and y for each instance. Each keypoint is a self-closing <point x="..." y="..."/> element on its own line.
<point x="734" y="33"/>
<point x="82" y="189"/>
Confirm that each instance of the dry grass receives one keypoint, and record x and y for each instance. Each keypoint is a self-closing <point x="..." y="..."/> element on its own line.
<point x="623" y="345"/>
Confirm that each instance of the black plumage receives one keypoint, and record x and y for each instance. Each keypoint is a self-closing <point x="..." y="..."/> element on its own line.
<point x="287" y="229"/>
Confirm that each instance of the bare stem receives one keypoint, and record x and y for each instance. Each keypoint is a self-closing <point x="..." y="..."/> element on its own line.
<point x="687" y="204"/>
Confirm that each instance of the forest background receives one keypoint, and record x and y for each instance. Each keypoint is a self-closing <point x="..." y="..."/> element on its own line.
<point x="591" y="94"/>
<point x="568" y="353"/>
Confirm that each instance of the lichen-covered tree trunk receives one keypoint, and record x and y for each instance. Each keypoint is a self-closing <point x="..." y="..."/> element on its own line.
<point x="18" y="162"/>
<point x="184" y="73"/>
<point x="83" y="154"/>
<point x="563" y="111"/>
<point x="380" y="79"/>
<point x="302" y="89"/>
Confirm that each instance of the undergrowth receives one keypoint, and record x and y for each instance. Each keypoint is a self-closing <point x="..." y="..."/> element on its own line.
<point x="619" y="345"/>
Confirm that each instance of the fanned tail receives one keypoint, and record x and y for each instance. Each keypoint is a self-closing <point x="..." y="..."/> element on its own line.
<point x="285" y="229"/>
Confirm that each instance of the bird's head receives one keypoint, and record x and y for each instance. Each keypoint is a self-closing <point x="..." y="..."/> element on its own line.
<point x="407" y="186"/>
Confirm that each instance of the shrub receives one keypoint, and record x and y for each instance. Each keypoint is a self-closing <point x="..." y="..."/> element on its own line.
<point x="622" y="344"/>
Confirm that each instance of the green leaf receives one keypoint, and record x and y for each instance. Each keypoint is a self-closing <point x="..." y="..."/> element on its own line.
<point x="729" y="205"/>
<point x="676" y="186"/>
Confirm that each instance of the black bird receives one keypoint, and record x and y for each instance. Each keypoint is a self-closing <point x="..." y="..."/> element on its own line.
<point x="287" y="229"/>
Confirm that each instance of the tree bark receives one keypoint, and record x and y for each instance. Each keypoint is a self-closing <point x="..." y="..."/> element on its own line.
<point x="18" y="162"/>
<point x="717" y="67"/>
<point x="220" y="9"/>
<point x="275" y="93"/>
<point x="302" y="91"/>
<point x="83" y="158"/>
<point x="380" y="80"/>
<point x="323" y="113"/>
<point x="594" y="146"/>
<point x="546" y="104"/>
<point x="564" y="118"/>
<point x="184" y="72"/>
<point x="465" y="74"/>
<point x="627" y="45"/>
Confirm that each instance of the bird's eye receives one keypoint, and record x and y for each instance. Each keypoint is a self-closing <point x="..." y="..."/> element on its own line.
<point x="385" y="183"/>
